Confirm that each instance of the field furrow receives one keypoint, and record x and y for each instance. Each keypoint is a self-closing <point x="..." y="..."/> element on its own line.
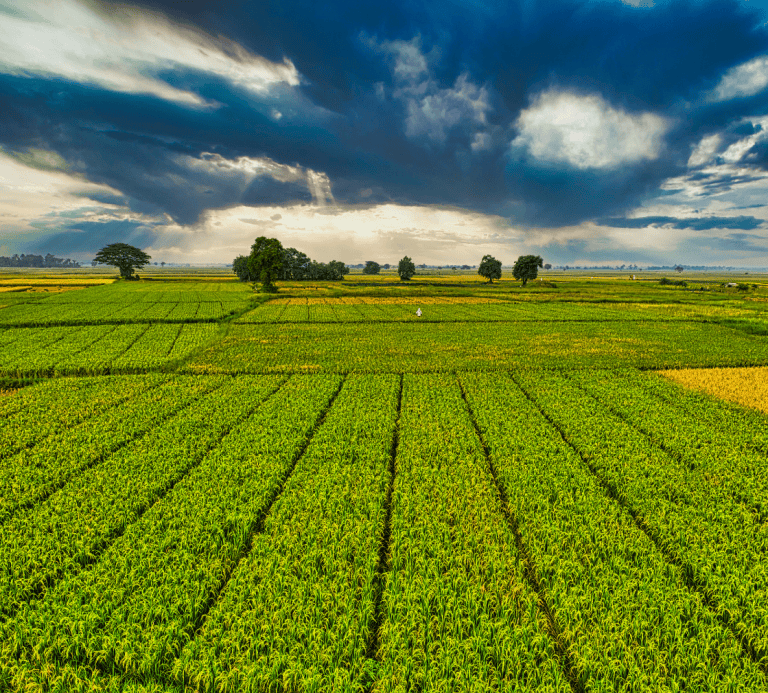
<point x="457" y="612"/>
<point x="715" y="541"/>
<point x="52" y="407"/>
<point x="33" y="474"/>
<point x="75" y="524"/>
<point x="626" y="615"/>
<point x="722" y="458"/>
<point x="297" y="613"/>
<point x="136" y="608"/>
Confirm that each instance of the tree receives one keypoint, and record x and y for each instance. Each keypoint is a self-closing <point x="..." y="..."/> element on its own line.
<point x="123" y="256"/>
<point x="241" y="269"/>
<point x="336" y="270"/>
<point x="296" y="265"/>
<point x="371" y="267"/>
<point x="406" y="269"/>
<point x="266" y="262"/>
<point x="527" y="267"/>
<point x="490" y="268"/>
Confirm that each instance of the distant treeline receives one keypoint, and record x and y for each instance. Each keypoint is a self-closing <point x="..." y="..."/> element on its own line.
<point x="36" y="261"/>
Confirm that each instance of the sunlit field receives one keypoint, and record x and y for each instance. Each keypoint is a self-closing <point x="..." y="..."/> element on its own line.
<point x="561" y="487"/>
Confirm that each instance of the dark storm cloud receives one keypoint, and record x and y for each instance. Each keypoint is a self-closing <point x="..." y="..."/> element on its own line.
<point x="699" y="224"/>
<point x="106" y="198"/>
<point x="349" y="118"/>
<point x="743" y="242"/>
<point x="83" y="237"/>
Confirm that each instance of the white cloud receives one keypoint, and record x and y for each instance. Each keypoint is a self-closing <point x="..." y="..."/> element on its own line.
<point x="586" y="132"/>
<point x="243" y="170"/>
<point x="433" y="111"/>
<point x="705" y="151"/>
<point x="125" y="50"/>
<point x="434" y="235"/>
<point x="743" y="80"/>
<point x="35" y="190"/>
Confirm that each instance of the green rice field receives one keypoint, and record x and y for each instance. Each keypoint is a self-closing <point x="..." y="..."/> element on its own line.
<point x="207" y="489"/>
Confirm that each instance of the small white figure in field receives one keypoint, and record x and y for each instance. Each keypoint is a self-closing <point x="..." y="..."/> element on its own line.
<point x="418" y="312"/>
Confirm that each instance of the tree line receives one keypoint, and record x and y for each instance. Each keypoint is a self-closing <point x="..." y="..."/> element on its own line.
<point x="48" y="260"/>
<point x="269" y="262"/>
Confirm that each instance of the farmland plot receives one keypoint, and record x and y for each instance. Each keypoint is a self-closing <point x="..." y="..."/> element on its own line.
<point x="332" y="495"/>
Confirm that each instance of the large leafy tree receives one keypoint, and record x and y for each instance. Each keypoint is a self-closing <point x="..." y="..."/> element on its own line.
<point x="490" y="268"/>
<point x="125" y="257"/>
<point x="527" y="267"/>
<point x="266" y="262"/>
<point x="371" y="267"/>
<point x="406" y="269"/>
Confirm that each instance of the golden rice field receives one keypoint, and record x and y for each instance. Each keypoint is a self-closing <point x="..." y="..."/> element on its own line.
<point x="746" y="386"/>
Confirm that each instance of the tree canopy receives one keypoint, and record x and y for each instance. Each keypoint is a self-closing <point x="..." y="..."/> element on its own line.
<point x="527" y="267"/>
<point x="125" y="257"/>
<point x="490" y="268"/>
<point x="266" y="262"/>
<point x="296" y="266"/>
<point x="406" y="269"/>
<point x="371" y="267"/>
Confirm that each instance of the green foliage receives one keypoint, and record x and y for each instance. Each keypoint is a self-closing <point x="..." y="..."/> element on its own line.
<point x="266" y="262"/>
<point x="605" y="598"/>
<point x="125" y="257"/>
<point x="664" y="281"/>
<point x="406" y="269"/>
<point x="317" y="560"/>
<point x="371" y="267"/>
<point x="527" y="268"/>
<point x="455" y="589"/>
<point x="242" y="270"/>
<point x="694" y="497"/>
<point x="490" y="268"/>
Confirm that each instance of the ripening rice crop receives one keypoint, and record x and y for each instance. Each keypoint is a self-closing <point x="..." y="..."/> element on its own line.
<point x="747" y="386"/>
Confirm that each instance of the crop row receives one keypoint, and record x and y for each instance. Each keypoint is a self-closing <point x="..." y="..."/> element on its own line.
<point x="732" y="420"/>
<point x="74" y="524"/>
<point x="388" y="312"/>
<point x="383" y="310"/>
<point x="724" y="458"/>
<point x="457" y="612"/>
<point x="415" y="348"/>
<point x="150" y="292"/>
<point x="298" y="611"/>
<point x="136" y="608"/>
<point x="43" y="410"/>
<point x="98" y="349"/>
<point x="257" y="540"/>
<point x="402" y="299"/>
<point x="47" y="313"/>
<point x="626" y="615"/>
<point x="719" y="543"/>
<point x="33" y="473"/>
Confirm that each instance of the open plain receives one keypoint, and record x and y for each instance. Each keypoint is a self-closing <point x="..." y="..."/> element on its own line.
<point x="205" y="488"/>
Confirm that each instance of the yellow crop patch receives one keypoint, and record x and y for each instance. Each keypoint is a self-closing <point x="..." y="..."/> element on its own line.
<point x="747" y="386"/>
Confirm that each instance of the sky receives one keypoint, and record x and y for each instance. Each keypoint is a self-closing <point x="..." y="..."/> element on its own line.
<point x="590" y="132"/>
